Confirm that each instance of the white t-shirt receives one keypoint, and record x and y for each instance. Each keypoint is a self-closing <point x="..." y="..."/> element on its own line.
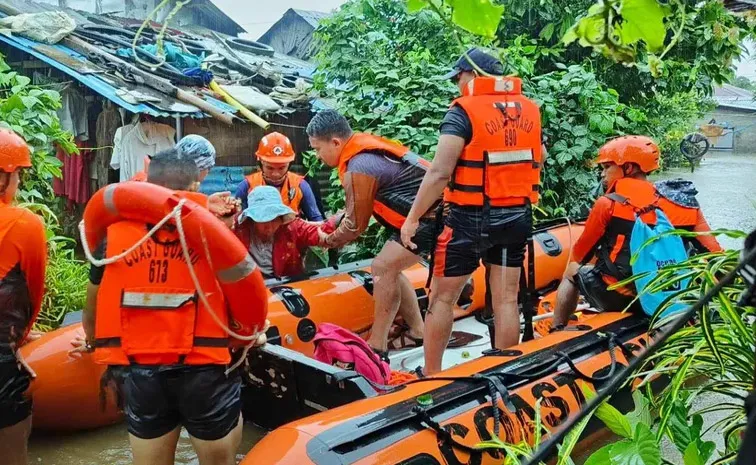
<point x="135" y="141"/>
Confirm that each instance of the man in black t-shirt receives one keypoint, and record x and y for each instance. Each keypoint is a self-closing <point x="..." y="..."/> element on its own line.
<point x="477" y="228"/>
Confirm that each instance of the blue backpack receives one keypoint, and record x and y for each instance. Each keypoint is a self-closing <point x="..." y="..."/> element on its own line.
<point x="648" y="260"/>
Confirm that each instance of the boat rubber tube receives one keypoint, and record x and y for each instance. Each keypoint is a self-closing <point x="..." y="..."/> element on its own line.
<point x="341" y="295"/>
<point x="440" y="419"/>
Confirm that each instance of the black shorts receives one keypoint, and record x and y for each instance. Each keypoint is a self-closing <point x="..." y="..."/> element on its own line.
<point x="199" y="398"/>
<point x="15" y="405"/>
<point x="594" y="289"/>
<point x="423" y="238"/>
<point x="462" y="244"/>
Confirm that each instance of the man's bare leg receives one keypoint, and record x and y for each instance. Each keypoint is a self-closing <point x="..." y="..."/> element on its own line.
<point x="504" y="283"/>
<point x="14" y="442"/>
<point x="390" y="290"/>
<point x="158" y="451"/>
<point x="567" y="296"/>
<point x="409" y="309"/>
<point x="439" y="319"/>
<point x="221" y="451"/>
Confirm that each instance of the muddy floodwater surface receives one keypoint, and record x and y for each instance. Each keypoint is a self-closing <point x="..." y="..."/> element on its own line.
<point x="727" y="192"/>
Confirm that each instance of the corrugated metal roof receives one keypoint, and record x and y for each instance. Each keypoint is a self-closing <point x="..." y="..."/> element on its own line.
<point x="262" y="72"/>
<point x="110" y="87"/>
<point x="729" y="96"/>
<point x="312" y="17"/>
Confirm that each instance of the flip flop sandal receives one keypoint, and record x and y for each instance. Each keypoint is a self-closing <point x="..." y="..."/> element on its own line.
<point x="461" y="339"/>
<point x="405" y="341"/>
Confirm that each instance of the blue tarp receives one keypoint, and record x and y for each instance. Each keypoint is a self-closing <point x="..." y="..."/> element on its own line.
<point x="222" y="179"/>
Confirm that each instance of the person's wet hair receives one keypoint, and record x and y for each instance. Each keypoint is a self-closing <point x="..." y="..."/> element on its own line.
<point x="170" y="170"/>
<point x="328" y="124"/>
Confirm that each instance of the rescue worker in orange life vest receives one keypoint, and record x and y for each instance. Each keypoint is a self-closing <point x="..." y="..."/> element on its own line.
<point x="625" y="162"/>
<point x="380" y="179"/>
<point x="275" y="155"/>
<point x="23" y="259"/>
<point x="489" y="154"/>
<point x="166" y="385"/>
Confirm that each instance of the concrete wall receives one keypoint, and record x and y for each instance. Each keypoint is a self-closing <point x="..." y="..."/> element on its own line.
<point x="745" y="139"/>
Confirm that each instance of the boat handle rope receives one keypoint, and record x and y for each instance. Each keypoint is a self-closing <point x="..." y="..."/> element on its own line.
<point x="747" y="260"/>
<point x="176" y="215"/>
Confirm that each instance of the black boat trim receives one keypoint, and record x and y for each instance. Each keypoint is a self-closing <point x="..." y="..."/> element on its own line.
<point x="374" y="431"/>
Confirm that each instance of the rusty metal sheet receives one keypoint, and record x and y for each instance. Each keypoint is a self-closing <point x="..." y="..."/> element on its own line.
<point x="79" y="65"/>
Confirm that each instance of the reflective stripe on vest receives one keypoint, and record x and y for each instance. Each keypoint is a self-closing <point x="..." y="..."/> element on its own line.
<point x="157" y="301"/>
<point x="291" y="192"/>
<point x="502" y="162"/>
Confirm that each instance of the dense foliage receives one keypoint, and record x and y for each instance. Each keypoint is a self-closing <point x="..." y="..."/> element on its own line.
<point x="31" y="112"/>
<point x="380" y="64"/>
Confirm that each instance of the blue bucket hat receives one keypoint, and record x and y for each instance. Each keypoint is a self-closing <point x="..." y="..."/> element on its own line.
<point x="199" y="149"/>
<point x="264" y="204"/>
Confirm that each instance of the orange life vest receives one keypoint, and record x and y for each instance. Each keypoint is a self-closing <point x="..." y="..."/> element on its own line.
<point x="291" y="193"/>
<point x="391" y="206"/>
<point x="148" y="309"/>
<point x="502" y="162"/>
<point x="629" y="197"/>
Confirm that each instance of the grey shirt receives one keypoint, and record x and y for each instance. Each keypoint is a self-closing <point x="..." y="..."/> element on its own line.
<point x="384" y="169"/>
<point x="262" y="254"/>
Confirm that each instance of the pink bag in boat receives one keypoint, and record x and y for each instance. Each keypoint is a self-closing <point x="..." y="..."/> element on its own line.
<point x="340" y="347"/>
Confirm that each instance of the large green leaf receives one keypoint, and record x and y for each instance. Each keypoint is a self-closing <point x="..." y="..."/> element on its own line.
<point x="641" y="413"/>
<point x="416" y="5"/>
<point x="641" y="450"/>
<point x="698" y="453"/>
<point x="481" y="17"/>
<point x="614" y="420"/>
<point x="601" y="456"/>
<point x="643" y="20"/>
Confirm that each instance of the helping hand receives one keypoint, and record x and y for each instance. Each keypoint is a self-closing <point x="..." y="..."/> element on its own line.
<point x="323" y="237"/>
<point x="80" y="346"/>
<point x="408" y="232"/>
<point x="222" y="204"/>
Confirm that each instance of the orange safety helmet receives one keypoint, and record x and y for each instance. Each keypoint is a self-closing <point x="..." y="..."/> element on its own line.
<point x="14" y="152"/>
<point x="640" y="150"/>
<point x="275" y="148"/>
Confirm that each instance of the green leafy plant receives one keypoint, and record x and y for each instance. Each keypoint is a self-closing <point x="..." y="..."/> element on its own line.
<point x="30" y="111"/>
<point x="65" y="285"/>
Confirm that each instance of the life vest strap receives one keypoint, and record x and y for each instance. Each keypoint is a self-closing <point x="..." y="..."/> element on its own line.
<point x="467" y="188"/>
<point x="199" y="341"/>
<point x="471" y="163"/>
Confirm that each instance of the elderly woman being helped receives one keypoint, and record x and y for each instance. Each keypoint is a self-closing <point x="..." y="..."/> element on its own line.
<point x="276" y="238"/>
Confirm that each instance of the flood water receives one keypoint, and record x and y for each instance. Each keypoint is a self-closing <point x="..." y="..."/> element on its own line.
<point x="110" y="446"/>
<point x="727" y="193"/>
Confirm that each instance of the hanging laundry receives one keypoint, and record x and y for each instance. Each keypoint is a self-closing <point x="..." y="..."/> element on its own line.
<point x="73" y="113"/>
<point x="133" y="141"/>
<point x="74" y="184"/>
<point x="108" y="122"/>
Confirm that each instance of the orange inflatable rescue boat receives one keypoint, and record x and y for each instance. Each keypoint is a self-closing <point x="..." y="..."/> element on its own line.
<point x="440" y="419"/>
<point x="296" y="305"/>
